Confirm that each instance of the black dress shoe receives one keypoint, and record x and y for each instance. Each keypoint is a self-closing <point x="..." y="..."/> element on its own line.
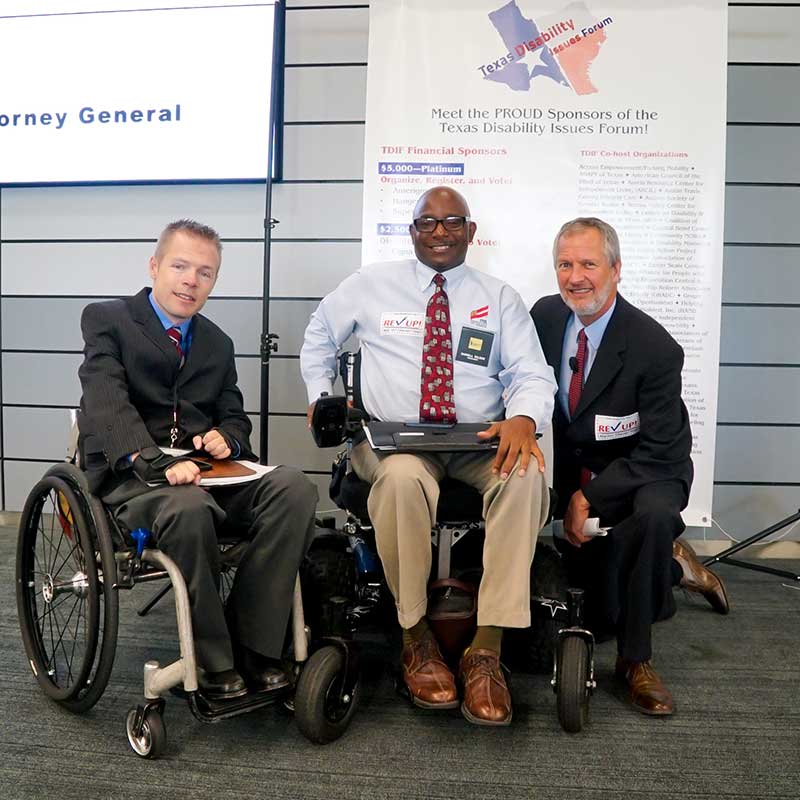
<point x="259" y="672"/>
<point x="223" y="685"/>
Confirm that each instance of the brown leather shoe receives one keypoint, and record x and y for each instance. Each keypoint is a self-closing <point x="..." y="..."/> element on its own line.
<point x="487" y="700"/>
<point x="647" y="692"/>
<point x="428" y="678"/>
<point x="696" y="578"/>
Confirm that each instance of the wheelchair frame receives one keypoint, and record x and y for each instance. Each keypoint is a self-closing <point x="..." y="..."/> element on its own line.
<point x="573" y="679"/>
<point x="75" y="554"/>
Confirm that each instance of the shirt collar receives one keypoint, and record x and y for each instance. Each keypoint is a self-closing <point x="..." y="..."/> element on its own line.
<point x="165" y="320"/>
<point x="595" y="330"/>
<point x="425" y="276"/>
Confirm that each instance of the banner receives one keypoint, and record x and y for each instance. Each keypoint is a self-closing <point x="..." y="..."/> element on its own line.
<point x="539" y="112"/>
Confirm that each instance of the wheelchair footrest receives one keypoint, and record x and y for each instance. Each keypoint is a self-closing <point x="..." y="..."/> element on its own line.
<point x="208" y="710"/>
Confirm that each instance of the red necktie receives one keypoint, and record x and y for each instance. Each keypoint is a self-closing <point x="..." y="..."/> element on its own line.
<point x="175" y="335"/>
<point x="576" y="382"/>
<point x="575" y="389"/>
<point x="436" y="396"/>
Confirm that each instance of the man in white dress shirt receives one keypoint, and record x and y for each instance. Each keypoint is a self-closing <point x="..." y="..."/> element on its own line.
<point x="441" y="341"/>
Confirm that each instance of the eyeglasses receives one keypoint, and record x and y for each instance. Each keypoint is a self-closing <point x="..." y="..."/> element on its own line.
<point x="429" y="224"/>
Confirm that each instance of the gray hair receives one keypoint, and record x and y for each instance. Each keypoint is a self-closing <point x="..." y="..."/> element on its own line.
<point x="610" y="238"/>
<point x="191" y="227"/>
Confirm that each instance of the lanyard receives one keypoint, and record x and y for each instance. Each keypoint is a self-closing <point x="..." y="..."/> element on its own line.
<point x="173" y="432"/>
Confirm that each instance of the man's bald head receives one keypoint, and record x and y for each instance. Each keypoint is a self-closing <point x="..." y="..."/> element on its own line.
<point x="444" y="192"/>
<point x="442" y="230"/>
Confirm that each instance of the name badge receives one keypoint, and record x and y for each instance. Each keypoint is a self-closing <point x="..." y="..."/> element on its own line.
<point x="401" y="323"/>
<point x="606" y="428"/>
<point x="474" y="346"/>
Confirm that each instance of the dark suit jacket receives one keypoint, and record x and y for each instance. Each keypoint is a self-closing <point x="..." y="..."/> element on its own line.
<point x="637" y="369"/>
<point x="129" y="376"/>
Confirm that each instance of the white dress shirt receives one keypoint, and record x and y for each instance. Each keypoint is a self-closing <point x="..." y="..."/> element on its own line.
<point x="384" y="306"/>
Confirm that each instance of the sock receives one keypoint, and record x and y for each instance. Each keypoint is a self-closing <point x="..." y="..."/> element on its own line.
<point x="487" y="637"/>
<point x="415" y="632"/>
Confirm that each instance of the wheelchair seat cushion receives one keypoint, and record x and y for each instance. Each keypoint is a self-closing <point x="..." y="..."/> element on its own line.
<point x="458" y="502"/>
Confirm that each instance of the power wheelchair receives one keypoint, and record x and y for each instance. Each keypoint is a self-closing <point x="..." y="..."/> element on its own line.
<point x="72" y="562"/>
<point x="343" y="567"/>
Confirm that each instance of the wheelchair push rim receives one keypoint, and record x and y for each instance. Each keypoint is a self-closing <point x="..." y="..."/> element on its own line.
<point x="58" y="589"/>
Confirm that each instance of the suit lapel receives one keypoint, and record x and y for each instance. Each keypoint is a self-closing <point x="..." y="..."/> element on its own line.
<point x="553" y="342"/>
<point x="151" y="327"/>
<point x="608" y="361"/>
<point x="200" y="352"/>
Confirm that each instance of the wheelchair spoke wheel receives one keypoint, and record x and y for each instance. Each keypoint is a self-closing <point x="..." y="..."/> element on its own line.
<point x="572" y="691"/>
<point x="322" y="713"/>
<point x="68" y="619"/>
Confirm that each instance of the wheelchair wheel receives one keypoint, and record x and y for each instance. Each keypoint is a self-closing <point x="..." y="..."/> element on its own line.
<point x="572" y="675"/>
<point x="152" y="741"/>
<point x="68" y="615"/>
<point x="326" y="573"/>
<point x="321" y="713"/>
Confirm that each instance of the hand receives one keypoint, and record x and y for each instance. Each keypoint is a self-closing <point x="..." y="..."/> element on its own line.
<point x="183" y="472"/>
<point x="213" y="443"/>
<point x="575" y="518"/>
<point x="517" y="440"/>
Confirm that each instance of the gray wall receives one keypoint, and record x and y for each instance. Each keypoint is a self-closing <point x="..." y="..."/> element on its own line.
<point x="62" y="247"/>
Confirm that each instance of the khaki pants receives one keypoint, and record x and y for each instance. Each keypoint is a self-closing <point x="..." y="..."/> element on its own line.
<point x="402" y="506"/>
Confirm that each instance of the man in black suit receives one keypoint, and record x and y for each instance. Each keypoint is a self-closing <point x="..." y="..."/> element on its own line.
<point x="622" y="447"/>
<point x="155" y="374"/>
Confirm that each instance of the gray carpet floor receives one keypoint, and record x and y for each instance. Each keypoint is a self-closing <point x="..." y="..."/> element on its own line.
<point x="735" y="734"/>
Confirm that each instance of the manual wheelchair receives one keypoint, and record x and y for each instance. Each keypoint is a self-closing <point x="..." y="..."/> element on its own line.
<point x="343" y="566"/>
<point x="72" y="562"/>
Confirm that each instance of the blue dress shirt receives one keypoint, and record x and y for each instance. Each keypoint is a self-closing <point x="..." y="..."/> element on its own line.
<point x="186" y="342"/>
<point x="384" y="306"/>
<point x="594" y="335"/>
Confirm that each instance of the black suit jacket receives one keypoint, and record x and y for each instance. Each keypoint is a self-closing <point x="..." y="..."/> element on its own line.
<point x="130" y="375"/>
<point x="637" y="369"/>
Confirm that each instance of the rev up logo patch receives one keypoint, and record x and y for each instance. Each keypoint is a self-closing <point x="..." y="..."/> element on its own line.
<point x="401" y="323"/>
<point x="606" y="428"/>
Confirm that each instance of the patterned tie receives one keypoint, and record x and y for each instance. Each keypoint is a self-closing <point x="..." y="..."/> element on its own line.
<point x="175" y="334"/>
<point x="436" y="396"/>
<point x="575" y="389"/>
<point x="576" y="382"/>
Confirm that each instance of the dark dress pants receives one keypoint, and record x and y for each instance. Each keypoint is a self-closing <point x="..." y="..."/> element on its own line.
<point x="276" y="515"/>
<point x="628" y="575"/>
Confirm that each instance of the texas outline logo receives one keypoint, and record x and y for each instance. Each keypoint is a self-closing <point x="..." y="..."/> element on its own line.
<point x="479" y="313"/>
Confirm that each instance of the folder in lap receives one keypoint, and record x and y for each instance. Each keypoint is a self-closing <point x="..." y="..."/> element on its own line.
<point x="420" y="437"/>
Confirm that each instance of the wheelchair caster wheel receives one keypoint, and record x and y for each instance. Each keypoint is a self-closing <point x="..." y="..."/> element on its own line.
<point x="152" y="740"/>
<point x="322" y="712"/>
<point x="572" y="683"/>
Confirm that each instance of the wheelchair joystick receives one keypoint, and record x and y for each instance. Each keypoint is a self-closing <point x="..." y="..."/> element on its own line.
<point x="366" y="563"/>
<point x="141" y="537"/>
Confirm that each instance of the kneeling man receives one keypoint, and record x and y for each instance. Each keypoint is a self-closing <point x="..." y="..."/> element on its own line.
<point x="156" y="373"/>
<point x="622" y="447"/>
<point x="442" y="342"/>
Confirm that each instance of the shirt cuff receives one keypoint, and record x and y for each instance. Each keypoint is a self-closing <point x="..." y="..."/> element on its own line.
<point x="316" y="388"/>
